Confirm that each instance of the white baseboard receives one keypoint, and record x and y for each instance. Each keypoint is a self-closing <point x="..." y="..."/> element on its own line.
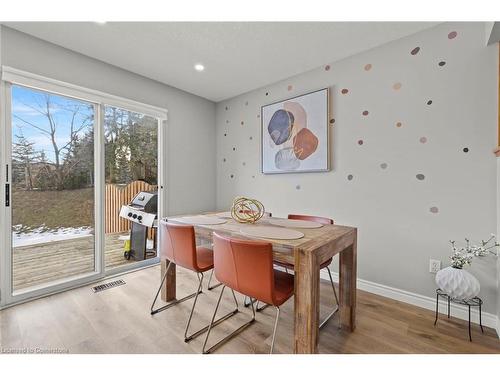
<point x="457" y="311"/>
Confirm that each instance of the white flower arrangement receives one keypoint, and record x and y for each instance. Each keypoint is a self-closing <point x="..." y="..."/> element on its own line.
<point x="462" y="256"/>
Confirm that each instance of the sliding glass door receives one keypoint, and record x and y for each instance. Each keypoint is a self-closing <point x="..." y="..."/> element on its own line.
<point x="131" y="168"/>
<point x="74" y="163"/>
<point x="52" y="188"/>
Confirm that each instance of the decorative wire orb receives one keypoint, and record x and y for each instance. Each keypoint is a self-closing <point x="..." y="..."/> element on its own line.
<point x="247" y="210"/>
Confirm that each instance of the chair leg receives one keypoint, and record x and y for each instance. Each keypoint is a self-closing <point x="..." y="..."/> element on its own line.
<point x="232" y="334"/>
<point x="437" y="308"/>
<point x="275" y="328"/>
<point x="200" y="277"/>
<point x="336" y="308"/>
<point x="259" y="309"/>
<point x="210" y="287"/>
<point x="217" y="322"/>
<point x="245" y="303"/>
<point x="167" y="306"/>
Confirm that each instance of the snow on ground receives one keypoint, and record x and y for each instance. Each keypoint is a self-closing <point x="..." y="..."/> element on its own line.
<point x="42" y="234"/>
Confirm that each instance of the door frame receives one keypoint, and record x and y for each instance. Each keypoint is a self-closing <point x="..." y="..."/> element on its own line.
<point x="11" y="76"/>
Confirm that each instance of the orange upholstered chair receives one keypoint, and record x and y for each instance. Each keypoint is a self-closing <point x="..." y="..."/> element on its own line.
<point x="247" y="267"/>
<point x="287" y="266"/>
<point x="178" y="246"/>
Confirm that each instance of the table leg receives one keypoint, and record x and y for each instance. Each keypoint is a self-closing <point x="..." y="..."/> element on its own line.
<point x="169" y="287"/>
<point x="306" y="303"/>
<point x="348" y="275"/>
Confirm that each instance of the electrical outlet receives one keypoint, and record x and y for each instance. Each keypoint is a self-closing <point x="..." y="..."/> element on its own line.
<point x="434" y="265"/>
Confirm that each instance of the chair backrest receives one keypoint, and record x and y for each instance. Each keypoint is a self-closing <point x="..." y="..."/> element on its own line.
<point x="317" y="219"/>
<point x="178" y="244"/>
<point x="245" y="266"/>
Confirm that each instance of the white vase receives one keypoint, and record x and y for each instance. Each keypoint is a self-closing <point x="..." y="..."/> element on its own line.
<point x="457" y="283"/>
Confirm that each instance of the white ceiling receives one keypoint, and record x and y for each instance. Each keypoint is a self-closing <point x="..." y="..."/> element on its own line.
<point x="238" y="56"/>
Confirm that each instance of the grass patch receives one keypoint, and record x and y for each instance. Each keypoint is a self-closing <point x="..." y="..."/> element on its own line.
<point x="53" y="209"/>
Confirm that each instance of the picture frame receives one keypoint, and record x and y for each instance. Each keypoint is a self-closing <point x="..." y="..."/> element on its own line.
<point x="295" y="134"/>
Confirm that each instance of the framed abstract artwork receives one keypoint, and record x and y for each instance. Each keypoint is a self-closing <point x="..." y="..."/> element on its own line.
<point x="295" y="134"/>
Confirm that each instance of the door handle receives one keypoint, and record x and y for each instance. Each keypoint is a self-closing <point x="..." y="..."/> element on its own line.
<point x="7" y="195"/>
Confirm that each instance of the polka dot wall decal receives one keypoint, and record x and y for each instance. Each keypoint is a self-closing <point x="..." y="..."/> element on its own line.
<point x="327" y="67"/>
<point x="398" y="124"/>
<point x="429" y="102"/>
<point x="290" y="87"/>
<point x="383" y="165"/>
<point x="442" y="63"/>
<point x="368" y="67"/>
<point x="225" y="134"/>
<point x="350" y="177"/>
<point x="244" y="163"/>
<point x="242" y="123"/>
<point x="434" y="210"/>
<point x="415" y="50"/>
<point x="360" y="142"/>
<point x="365" y="113"/>
<point x="452" y="35"/>
<point x="250" y="138"/>
<point x="267" y="93"/>
<point x="234" y="148"/>
<point x="227" y="108"/>
<point x="420" y="177"/>
<point x="466" y="149"/>
<point x="423" y="139"/>
<point x="232" y="175"/>
<point x="224" y="160"/>
<point x="297" y="187"/>
<point x="246" y="103"/>
<point x="344" y="91"/>
<point x="253" y="176"/>
<point x="397" y="86"/>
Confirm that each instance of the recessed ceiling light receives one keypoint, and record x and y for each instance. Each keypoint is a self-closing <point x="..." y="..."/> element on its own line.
<point x="101" y="22"/>
<point x="199" y="67"/>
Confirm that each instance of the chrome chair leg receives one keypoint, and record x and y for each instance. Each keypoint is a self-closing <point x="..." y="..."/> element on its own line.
<point x="259" y="309"/>
<point x="232" y="334"/>
<point x="209" y="281"/>
<point x="245" y="303"/>
<point x="217" y="322"/>
<point x="275" y="328"/>
<point x="177" y="301"/>
<point x="200" y="278"/>
<point x="336" y="309"/>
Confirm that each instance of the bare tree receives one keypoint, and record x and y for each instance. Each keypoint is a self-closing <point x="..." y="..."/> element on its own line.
<point x="79" y="119"/>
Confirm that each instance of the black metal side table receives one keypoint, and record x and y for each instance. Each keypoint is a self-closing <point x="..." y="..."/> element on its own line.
<point x="473" y="302"/>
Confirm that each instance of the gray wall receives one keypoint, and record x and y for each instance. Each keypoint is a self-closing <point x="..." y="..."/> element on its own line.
<point x="398" y="233"/>
<point x="191" y="119"/>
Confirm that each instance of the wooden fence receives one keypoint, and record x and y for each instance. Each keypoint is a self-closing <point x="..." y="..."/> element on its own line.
<point x="116" y="196"/>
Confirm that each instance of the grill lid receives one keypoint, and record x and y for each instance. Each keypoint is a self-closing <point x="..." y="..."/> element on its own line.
<point x="146" y="201"/>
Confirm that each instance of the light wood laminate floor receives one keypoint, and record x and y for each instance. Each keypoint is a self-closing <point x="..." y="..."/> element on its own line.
<point x="118" y="321"/>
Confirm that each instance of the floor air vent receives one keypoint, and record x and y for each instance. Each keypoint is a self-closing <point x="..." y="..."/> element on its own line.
<point x="112" y="284"/>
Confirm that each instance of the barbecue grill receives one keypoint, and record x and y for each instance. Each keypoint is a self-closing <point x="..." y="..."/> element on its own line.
<point x="142" y="211"/>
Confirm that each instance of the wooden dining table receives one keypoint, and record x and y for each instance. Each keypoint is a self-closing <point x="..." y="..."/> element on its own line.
<point x="306" y="254"/>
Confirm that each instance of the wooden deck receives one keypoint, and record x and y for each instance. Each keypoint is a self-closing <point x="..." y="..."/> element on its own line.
<point x="38" y="264"/>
